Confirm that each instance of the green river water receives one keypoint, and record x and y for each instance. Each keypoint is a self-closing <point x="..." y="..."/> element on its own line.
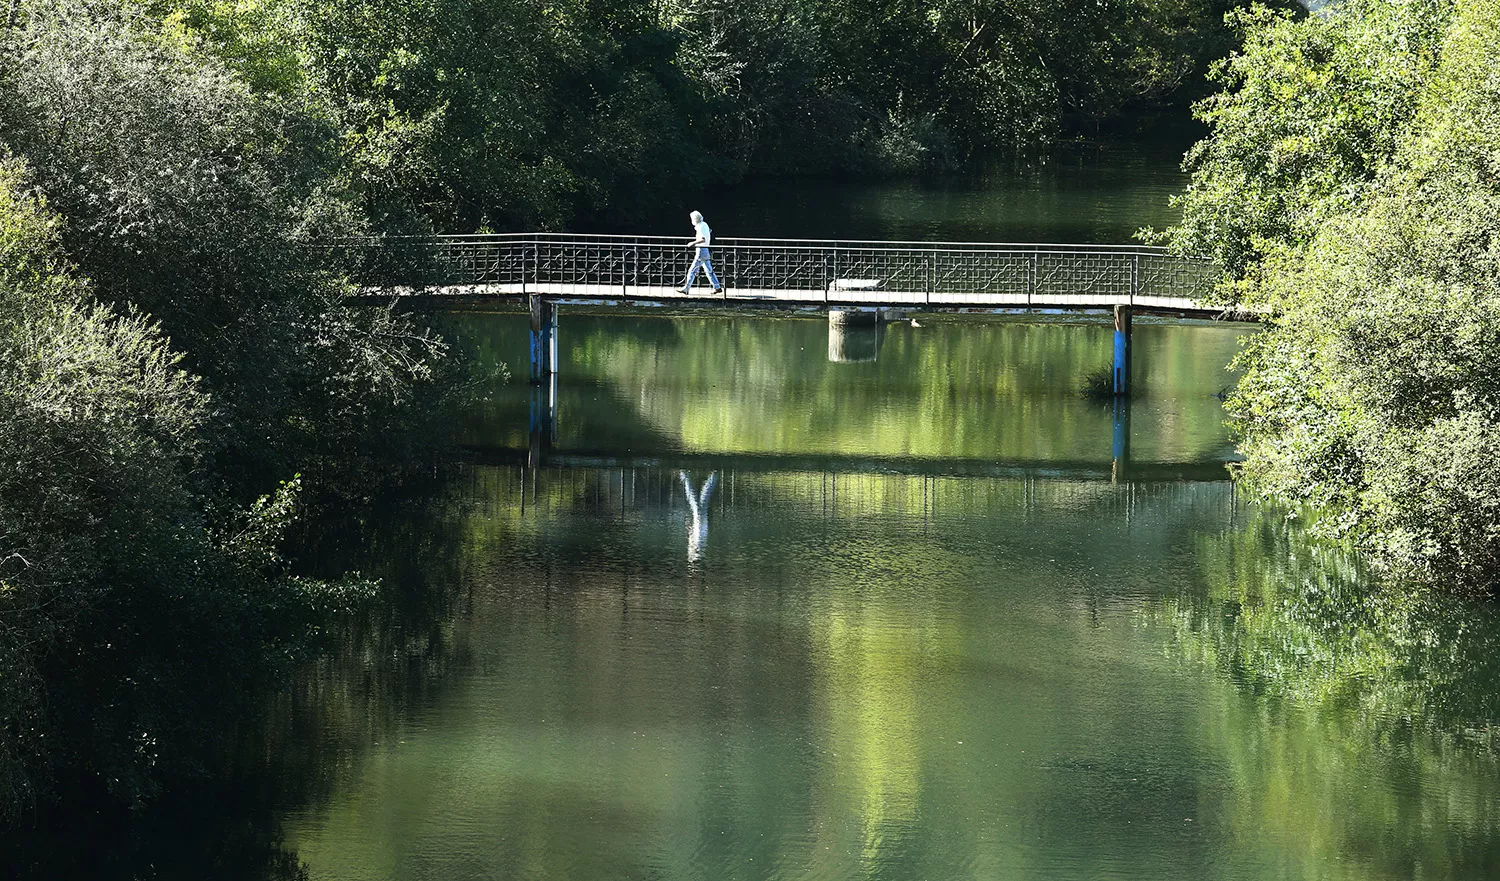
<point x="915" y="630"/>
<point x="758" y="614"/>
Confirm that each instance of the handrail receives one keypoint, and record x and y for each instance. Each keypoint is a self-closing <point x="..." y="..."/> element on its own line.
<point x="753" y="241"/>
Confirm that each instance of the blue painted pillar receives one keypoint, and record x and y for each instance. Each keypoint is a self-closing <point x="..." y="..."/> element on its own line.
<point x="543" y="339"/>
<point x="1122" y="351"/>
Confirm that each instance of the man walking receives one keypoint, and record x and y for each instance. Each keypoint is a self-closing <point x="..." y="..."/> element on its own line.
<point x="702" y="261"/>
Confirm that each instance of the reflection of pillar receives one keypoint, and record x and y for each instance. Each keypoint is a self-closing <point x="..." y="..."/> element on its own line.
<point x="1122" y="350"/>
<point x="853" y="336"/>
<point x="543" y="421"/>
<point x="543" y="339"/>
<point x="1121" y="447"/>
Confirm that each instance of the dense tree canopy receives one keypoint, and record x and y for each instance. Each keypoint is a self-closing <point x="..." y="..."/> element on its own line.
<point x="510" y="113"/>
<point x="117" y="582"/>
<point x="1352" y="184"/>
<point x="170" y="350"/>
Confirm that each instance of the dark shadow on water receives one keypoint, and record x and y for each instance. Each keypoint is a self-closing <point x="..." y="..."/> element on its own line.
<point x="226" y="824"/>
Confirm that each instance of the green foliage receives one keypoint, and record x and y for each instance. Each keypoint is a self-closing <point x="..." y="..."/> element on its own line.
<point x="1310" y="111"/>
<point x="469" y="114"/>
<point x="130" y="633"/>
<point x="169" y="348"/>
<point x="1391" y="677"/>
<point x="903" y="85"/>
<point x="192" y="198"/>
<point x="1373" y="238"/>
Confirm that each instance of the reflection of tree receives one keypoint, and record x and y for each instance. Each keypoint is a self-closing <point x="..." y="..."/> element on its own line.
<point x="872" y="670"/>
<point x="908" y="685"/>
<point x="224" y="822"/>
<point x="964" y="388"/>
<point x="1403" y="680"/>
<point x="390" y="659"/>
<point x="1287" y="617"/>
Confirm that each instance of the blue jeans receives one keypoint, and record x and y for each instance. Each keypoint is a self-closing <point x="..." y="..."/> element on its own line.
<point x="702" y="261"/>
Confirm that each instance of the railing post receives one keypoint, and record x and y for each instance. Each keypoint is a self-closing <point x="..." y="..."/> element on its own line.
<point x="825" y="276"/>
<point x="1036" y="277"/>
<point x="835" y="280"/>
<point x="1135" y="277"/>
<point x="927" y="282"/>
<point x="524" y="249"/>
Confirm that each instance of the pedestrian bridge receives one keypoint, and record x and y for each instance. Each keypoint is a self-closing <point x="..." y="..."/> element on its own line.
<point x="797" y="272"/>
<point x="845" y="278"/>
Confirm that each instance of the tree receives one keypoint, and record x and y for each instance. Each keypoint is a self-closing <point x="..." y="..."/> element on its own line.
<point x="1366" y="221"/>
<point x="192" y="198"/>
<point x="135" y="611"/>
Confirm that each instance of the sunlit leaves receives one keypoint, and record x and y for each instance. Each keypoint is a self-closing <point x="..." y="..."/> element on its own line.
<point x="1350" y="181"/>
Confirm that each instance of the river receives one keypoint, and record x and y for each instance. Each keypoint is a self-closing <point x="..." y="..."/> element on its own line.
<point x="766" y="614"/>
<point x="1082" y="194"/>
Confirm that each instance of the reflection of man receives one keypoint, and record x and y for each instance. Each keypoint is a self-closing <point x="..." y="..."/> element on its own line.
<point x="704" y="237"/>
<point x="698" y="508"/>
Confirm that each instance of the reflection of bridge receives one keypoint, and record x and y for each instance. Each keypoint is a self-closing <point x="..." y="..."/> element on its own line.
<point x="542" y="451"/>
<point x="1118" y="469"/>
<point x="658" y="491"/>
<point x="551" y="270"/>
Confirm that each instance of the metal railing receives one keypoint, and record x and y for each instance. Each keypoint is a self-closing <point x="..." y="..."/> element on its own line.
<point x="810" y="270"/>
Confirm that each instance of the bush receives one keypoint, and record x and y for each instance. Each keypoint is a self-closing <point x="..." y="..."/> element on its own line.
<point x="1374" y="395"/>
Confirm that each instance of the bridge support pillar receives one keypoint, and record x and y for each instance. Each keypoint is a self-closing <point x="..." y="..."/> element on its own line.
<point x="543" y="339"/>
<point x="1121" y="373"/>
<point x="853" y="336"/>
<point x="543" y="421"/>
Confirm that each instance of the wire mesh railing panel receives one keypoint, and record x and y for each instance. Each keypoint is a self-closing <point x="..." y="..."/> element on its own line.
<point x="872" y="269"/>
<point x="1164" y="275"/>
<point x="1085" y="274"/>
<point x="659" y="266"/>
<point x="980" y="275"/>
<point x="597" y="268"/>
<point x="621" y="266"/>
<point x="776" y="267"/>
<point x="481" y="262"/>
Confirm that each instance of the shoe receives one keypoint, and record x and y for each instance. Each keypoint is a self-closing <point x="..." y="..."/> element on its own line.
<point x="718" y="292"/>
<point x="685" y="292"/>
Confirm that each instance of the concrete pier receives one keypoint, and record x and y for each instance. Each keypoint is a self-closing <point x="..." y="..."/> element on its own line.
<point x="853" y="317"/>
<point x="853" y="336"/>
